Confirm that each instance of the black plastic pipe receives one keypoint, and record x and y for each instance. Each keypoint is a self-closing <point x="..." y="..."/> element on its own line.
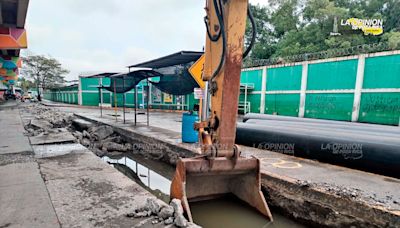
<point x="362" y="130"/>
<point x="365" y="152"/>
<point x="322" y="121"/>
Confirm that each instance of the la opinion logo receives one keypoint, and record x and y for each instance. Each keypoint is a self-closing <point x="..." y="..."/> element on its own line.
<point x="368" y="26"/>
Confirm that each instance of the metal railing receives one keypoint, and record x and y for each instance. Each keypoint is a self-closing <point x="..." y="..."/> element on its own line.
<point x="244" y="107"/>
<point x="330" y="53"/>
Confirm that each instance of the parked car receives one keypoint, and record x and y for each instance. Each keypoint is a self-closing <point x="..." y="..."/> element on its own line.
<point x="27" y="96"/>
<point x="8" y="95"/>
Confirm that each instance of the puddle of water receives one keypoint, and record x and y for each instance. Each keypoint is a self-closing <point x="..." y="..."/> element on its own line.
<point x="225" y="212"/>
<point x="231" y="212"/>
<point x="154" y="182"/>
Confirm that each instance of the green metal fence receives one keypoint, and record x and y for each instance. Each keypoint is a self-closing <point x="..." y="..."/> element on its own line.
<point x="362" y="88"/>
<point x="67" y="95"/>
<point x="87" y="93"/>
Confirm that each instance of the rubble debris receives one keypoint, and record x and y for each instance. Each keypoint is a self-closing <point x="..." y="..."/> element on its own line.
<point x="101" y="132"/>
<point x="77" y="135"/>
<point x="128" y="146"/>
<point x="46" y="120"/>
<point x="85" y="142"/>
<point x="81" y="124"/>
<point x="98" y="152"/>
<point x="113" y="154"/>
<point x="169" y="221"/>
<point x="40" y="124"/>
<point x="166" y="212"/>
<point x="180" y="221"/>
<point x="169" y="214"/>
<point x="153" y="205"/>
<point x="103" y="138"/>
<point x="177" y="205"/>
<point x="112" y="146"/>
<point x="116" y="139"/>
<point x="86" y="134"/>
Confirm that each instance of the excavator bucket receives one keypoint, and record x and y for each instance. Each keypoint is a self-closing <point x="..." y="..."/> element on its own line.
<point x="198" y="179"/>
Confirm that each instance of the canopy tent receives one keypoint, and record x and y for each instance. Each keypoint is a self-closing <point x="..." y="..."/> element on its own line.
<point x="176" y="79"/>
<point x="123" y="82"/>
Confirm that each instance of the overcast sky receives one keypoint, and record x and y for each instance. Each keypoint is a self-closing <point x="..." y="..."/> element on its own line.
<point x="108" y="35"/>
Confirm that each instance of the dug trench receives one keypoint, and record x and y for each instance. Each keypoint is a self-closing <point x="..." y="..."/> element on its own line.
<point x="125" y="149"/>
<point x="151" y="164"/>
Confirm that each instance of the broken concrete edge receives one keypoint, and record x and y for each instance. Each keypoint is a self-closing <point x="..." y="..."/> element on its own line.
<point x="53" y="138"/>
<point x="130" y="134"/>
<point x="58" y="104"/>
<point x="25" y="152"/>
<point x="316" y="206"/>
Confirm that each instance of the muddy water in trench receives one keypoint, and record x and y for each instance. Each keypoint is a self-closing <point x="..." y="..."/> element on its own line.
<point x="226" y="212"/>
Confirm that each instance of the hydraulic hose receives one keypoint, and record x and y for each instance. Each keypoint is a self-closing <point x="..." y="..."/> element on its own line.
<point x="254" y="32"/>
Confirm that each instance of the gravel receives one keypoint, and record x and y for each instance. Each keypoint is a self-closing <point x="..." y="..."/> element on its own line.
<point x="16" y="158"/>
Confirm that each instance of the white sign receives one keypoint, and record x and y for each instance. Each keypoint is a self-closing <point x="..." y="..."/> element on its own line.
<point x="198" y="93"/>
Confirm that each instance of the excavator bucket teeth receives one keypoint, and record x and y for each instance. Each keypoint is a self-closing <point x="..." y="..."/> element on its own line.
<point x="195" y="180"/>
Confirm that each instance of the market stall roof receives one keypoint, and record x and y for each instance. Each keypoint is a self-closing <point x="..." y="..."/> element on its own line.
<point x="181" y="57"/>
<point x="99" y="75"/>
<point x="143" y="73"/>
<point x="123" y="82"/>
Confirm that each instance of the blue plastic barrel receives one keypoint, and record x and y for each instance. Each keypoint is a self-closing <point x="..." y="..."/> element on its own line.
<point x="189" y="135"/>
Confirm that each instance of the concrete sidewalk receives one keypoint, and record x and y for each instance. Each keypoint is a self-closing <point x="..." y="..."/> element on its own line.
<point x="24" y="200"/>
<point x="11" y="133"/>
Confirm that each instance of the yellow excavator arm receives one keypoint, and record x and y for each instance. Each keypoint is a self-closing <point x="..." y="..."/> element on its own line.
<point x="220" y="169"/>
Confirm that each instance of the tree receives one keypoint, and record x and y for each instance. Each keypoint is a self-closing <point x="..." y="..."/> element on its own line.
<point x="46" y="72"/>
<point x="393" y="39"/>
<point x="265" y="43"/>
<point x="293" y="27"/>
<point x="25" y="84"/>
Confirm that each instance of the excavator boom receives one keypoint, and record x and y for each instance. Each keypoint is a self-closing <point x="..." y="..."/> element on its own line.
<point x="220" y="169"/>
